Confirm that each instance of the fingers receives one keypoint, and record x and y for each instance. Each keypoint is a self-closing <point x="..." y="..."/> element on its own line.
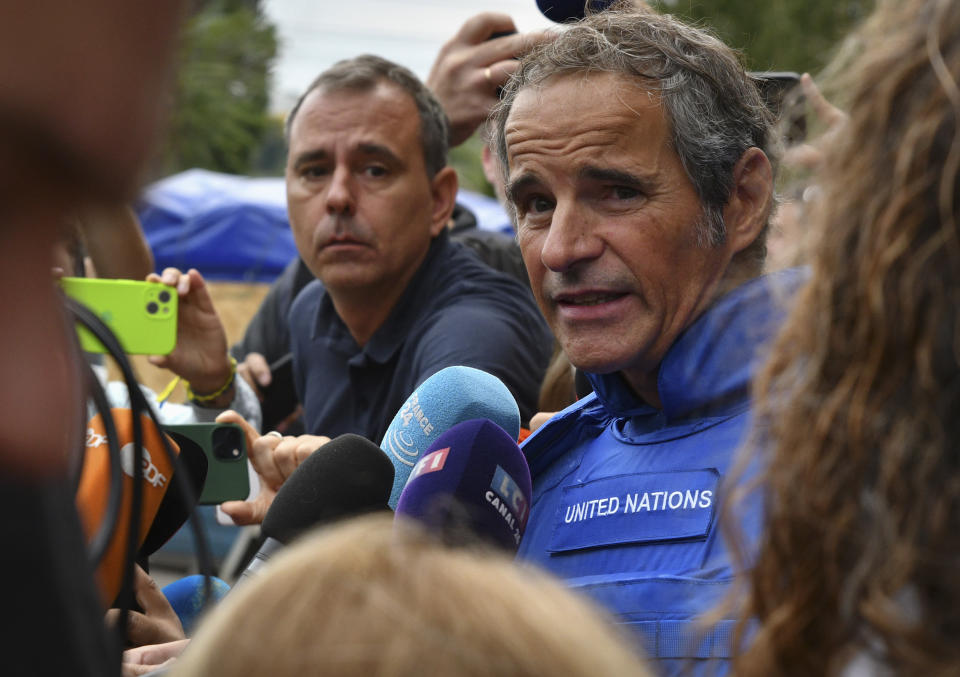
<point x="157" y="623"/>
<point x="540" y="418"/>
<point x="292" y="451"/>
<point x="199" y="292"/>
<point x="263" y="459"/>
<point x="133" y="670"/>
<point x="158" y="360"/>
<point x="826" y="111"/>
<point x="154" y="603"/>
<point x="805" y="156"/>
<point x="147" y="592"/>
<point x="142" y="630"/>
<point x="154" y="655"/>
<point x="259" y="369"/>
<point x="174" y="278"/>
<point x="249" y="432"/>
<point x="507" y="48"/>
<point x="478" y="28"/>
<point x="275" y="458"/>
<point x="245" y="513"/>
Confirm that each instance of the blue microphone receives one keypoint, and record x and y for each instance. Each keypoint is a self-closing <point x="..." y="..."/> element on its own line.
<point x="188" y="598"/>
<point x="472" y="482"/>
<point x="450" y="396"/>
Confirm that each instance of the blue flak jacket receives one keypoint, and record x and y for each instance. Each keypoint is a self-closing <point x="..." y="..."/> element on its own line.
<point x="626" y="496"/>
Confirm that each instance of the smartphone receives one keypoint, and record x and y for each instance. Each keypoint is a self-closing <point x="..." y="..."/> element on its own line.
<point x="225" y="447"/>
<point x="142" y="315"/>
<point x="782" y="94"/>
<point x="494" y="36"/>
<point x="280" y="397"/>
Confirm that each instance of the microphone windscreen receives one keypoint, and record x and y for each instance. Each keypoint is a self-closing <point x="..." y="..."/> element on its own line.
<point x="175" y="509"/>
<point x="473" y="481"/>
<point x="187" y="597"/>
<point x="450" y="396"/>
<point x="349" y="475"/>
<point x="564" y="11"/>
<point x="94" y="489"/>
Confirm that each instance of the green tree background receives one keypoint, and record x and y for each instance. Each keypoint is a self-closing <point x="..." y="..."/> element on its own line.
<point x="782" y="35"/>
<point x="220" y="118"/>
<point x="220" y="115"/>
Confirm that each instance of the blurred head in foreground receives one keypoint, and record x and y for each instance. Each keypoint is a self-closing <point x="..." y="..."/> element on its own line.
<point x="374" y="597"/>
<point x="860" y="558"/>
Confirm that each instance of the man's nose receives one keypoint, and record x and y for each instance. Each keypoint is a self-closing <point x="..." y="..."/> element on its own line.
<point x="571" y="238"/>
<point x="341" y="198"/>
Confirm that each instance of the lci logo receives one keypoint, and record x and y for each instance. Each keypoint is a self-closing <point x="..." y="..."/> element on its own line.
<point x="151" y="473"/>
<point x="510" y="495"/>
<point x="400" y="444"/>
<point x="432" y="462"/>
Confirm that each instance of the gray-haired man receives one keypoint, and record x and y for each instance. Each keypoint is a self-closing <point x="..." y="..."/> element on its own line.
<point x="637" y="157"/>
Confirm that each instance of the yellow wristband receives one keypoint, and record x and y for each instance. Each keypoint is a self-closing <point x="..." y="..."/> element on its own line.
<point x="194" y="397"/>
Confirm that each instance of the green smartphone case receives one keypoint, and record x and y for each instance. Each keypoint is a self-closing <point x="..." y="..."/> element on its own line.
<point x="142" y="315"/>
<point x="225" y="447"/>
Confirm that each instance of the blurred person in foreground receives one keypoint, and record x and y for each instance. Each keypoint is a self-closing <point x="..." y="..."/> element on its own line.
<point x="639" y="159"/>
<point x="372" y="597"/>
<point x="857" y="568"/>
<point x="79" y="86"/>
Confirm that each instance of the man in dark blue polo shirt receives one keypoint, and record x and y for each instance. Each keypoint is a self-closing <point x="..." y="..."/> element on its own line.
<point x="369" y="196"/>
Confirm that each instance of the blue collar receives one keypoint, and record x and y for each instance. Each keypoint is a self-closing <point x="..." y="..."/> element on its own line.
<point x="707" y="370"/>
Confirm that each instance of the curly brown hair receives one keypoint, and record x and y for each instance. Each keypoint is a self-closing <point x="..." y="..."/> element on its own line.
<point x="859" y="405"/>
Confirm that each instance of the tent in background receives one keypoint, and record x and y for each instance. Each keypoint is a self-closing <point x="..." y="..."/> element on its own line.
<point x="235" y="227"/>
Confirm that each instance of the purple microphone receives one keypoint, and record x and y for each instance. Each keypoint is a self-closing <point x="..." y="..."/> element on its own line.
<point x="472" y="483"/>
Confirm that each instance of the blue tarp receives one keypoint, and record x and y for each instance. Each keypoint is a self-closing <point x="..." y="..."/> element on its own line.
<point x="235" y="227"/>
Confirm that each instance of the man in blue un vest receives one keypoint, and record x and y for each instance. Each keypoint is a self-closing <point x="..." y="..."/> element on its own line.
<point x="637" y="156"/>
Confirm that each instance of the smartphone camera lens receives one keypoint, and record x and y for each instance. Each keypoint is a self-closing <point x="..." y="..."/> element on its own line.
<point x="227" y="443"/>
<point x="152" y="308"/>
<point x="164" y="296"/>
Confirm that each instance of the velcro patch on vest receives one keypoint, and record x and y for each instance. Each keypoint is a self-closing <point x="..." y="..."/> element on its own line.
<point x="639" y="508"/>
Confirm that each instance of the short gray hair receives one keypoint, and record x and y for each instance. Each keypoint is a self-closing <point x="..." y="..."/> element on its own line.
<point x="713" y="106"/>
<point x="363" y="73"/>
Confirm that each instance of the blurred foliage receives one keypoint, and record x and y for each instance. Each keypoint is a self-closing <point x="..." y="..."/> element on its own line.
<point x="467" y="160"/>
<point x="785" y="35"/>
<point x="219" y="118"/>
<point x="270" y="156"/>
<point x="778" y="35"/>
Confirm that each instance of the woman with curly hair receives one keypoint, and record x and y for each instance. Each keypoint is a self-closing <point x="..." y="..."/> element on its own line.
<point x="859" y="406"/>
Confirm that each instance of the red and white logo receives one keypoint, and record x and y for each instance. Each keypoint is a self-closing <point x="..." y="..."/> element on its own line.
<point x="432" y="462"/>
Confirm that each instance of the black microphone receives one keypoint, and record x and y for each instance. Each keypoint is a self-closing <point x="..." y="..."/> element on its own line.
<point x="348" y="476"/>
<point x="564" y="11"/>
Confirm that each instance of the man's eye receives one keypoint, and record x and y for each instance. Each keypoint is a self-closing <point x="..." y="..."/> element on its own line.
<point x="314" y="172"/>
<point x="375" y="171"/>
<point x="624" y="192"/>
<point x="538" y="205"/>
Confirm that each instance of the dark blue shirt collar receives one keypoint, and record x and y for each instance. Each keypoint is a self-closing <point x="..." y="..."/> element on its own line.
<point x="388" y="338"/>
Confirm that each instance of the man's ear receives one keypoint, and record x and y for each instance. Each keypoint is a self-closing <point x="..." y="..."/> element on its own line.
<point x="444" y="190"/>
<point x="748" y="209"/>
